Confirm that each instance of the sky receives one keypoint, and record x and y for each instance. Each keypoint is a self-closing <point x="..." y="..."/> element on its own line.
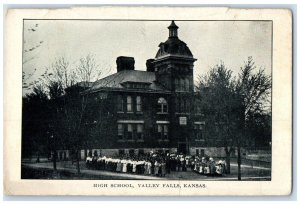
<point x="209" y="41"/>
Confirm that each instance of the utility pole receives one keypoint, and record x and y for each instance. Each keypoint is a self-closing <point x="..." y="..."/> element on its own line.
<point x="239" y="161"/>
<point x="54" y="152"/>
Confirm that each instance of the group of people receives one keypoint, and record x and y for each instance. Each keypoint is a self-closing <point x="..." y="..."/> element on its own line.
<point x="207" y="166"/>
<point x="155" y="164"/>
<point x="146" y="164"/>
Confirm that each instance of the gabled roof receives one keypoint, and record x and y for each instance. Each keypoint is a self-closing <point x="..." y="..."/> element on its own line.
<point x="119" y="79"/>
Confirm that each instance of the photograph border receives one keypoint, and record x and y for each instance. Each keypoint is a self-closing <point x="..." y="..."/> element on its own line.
<point x="6" y="141"/>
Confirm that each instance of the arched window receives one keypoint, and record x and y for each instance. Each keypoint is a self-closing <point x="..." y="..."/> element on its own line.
<point x="187" y="84"/>
<point x="182" y="87"/>
<point x="162" y="105"/>
<point x="176" y="84"/>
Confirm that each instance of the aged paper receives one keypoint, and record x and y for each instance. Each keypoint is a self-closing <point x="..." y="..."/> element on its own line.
<point x="277" y="61"/>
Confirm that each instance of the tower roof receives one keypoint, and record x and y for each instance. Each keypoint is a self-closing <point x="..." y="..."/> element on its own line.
<point x="173" y="25"/>
<point x="173" y="45"/>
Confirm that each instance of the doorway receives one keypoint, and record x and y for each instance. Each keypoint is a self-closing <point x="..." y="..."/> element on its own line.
<point x="182" y="148"/>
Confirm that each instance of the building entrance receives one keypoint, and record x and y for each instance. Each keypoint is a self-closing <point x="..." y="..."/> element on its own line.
<point x="182" y="148"/>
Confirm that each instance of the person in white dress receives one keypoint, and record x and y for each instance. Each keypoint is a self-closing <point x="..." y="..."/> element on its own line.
<point x="134" y="163"/>
<point x="124" y="165"/>
<point x="149" y="168"/>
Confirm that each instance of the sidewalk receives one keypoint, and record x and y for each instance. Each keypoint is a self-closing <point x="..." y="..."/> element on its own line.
<point x="248" y="166"/>
<point x="248" y="173"/>
<point x="90" y="172"/>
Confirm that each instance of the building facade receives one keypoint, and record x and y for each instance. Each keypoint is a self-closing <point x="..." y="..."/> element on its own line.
<point x="135" y="111"/>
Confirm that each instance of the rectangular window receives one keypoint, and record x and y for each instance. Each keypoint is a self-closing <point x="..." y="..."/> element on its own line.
<point x="138" y="104"/>
<point x="163" y="132"/>
<point x="159" y="128"/>
<point x="129" y="132"/>
<point x="129" y="104"/>
<point x="166" y="131"/>
<point x="198" y="110"/>
<point x="200" y="135"/>
<point x="198" y="128"/>
<point x="182" y="104"/>
<point x="120" y="131"/>
<point x="159" y="131"/>
<point x="140" y="131"/>
<point x="186" y="105"/>
<point x="120" y="103"/>
<point x="177" y="105"/>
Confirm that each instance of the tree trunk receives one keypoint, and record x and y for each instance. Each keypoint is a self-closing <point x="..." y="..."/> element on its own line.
<point x="227" y="163"/>
<point x="85" y="153"/>
<point x="54" y="160"/>
<point x="38" y="157"/>
<point x="77" y="162"/>
<point x="239" y="162"/>
<point x="227" y="168"/>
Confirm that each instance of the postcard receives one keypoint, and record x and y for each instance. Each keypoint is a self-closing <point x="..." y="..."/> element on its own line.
<point x="148" y="101"/>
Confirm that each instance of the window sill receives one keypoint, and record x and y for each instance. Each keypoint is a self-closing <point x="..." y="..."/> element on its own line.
<point x="197" y="140"/>
<point x="139" y="113"/>
<point x="162" y="113"/>
<point x="182" y="113"/>
<point x="130" y="112"/>
<point x="130" y="140"/>
<point x="121" y="140"/>
<point x="120" y="112"/>
<point x="160" y="140"/>
<point x="140" y="140"/>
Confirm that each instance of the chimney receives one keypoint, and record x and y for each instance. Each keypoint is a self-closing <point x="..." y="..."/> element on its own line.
<point x="125" y="63"/>
<point x="150" y="65"/>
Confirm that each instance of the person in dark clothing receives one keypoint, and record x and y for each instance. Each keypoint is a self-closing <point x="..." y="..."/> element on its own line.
<point x="183" y="164"/>
<point x="168" y="164"/>
<point x="178" y="164"/>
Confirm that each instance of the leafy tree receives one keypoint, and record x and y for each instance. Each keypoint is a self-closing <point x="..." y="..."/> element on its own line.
<point x="33" y="124"/>
<point x="255" y="91"/>
<point x="217" y="96"/>
<point x="233" y="107"/>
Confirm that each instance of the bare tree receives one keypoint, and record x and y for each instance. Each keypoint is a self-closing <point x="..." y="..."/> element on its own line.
<point x="65" y="85"/>
<point x="255" y="88"/>
<point x="30" y="52"/>
<point x="87" y="70"/>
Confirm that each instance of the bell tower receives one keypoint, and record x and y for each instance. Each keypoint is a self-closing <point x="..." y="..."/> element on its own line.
<point x="173" y="66"/>
<point x="174" y="63"/>
<point x="173" y="30"/>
